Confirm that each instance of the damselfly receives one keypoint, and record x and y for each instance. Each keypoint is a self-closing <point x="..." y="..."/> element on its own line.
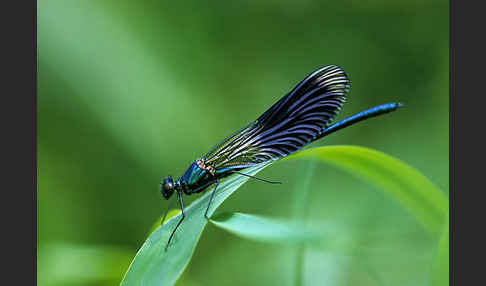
<point x="300" y="117"/>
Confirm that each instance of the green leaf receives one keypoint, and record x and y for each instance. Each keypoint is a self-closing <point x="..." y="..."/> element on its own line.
<point x="265" y="229"/>
<point x="420" y="197"/>
<point x="323" y="235"/>
<point x="441" y="265"/>
<point x="154" y="266"/>
<point x="156" y="224"/>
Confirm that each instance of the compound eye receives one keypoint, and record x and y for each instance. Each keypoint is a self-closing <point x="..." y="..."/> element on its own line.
<point x="168" y="181"/>
<point x="168" y="186"/>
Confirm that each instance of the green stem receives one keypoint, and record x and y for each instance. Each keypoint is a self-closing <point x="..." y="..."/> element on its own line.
<point x="440" y="271"/>
<point x="300" y="214"/>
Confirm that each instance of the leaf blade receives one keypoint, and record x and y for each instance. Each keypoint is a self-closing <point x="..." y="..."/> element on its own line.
<point x="152" y="265"/>
<point x="440" y="269"/>
<point x="420" y="197"/>
<point x="264" y="229"/>
<point x="415" y="192"/>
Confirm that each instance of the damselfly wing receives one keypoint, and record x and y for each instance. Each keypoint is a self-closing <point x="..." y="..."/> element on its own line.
<point x="300" y="117"/>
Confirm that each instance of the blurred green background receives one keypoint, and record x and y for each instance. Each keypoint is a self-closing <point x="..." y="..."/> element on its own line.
<point x="131" y="92"/>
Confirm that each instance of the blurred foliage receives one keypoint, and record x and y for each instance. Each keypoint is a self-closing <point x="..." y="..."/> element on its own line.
<point x="129" y="92"/>
<point x="415" y="193"/>
<point x="441" y="263"/>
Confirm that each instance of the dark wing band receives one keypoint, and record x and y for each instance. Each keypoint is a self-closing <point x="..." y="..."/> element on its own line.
<point x="294" y="121"/>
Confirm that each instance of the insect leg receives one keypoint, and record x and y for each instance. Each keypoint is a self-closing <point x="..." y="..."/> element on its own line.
<point x="253" y="177"/>
<point x="167" y="211"/>
<point x="211" y="198"/>
<point x="182" y="218"/>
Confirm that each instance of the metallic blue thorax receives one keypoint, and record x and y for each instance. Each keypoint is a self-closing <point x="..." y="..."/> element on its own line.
<point x="199" y="176"/>
<point x="195" y="179"/>
<point x="193" y="175"/>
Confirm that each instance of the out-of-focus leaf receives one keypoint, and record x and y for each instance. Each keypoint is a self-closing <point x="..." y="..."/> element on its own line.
<point x="441" y="265"/>
<point x="420" y="197"/>
<point x="265" y="229"/>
